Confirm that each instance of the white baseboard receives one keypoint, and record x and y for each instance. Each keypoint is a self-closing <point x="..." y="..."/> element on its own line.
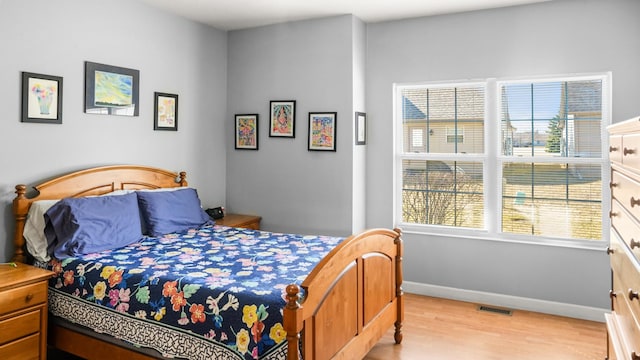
<point x="507" y="301"/>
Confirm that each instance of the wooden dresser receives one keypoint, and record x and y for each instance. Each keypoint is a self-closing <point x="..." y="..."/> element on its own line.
<point x="23" y="312"/>
<point x="623" y="323"/>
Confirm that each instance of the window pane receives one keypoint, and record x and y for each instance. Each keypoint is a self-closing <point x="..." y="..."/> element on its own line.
<point x="442" y="193"/>
<point x="552" y="119"/>
<point x="554" y="200"/>
<point x="453" y="118"/>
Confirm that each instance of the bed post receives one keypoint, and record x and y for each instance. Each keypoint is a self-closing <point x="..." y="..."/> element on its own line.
<point x="183" y="178"/>
<point x="20" y="206"/>
<point x="399" y="293"/>
<point x="292" y="322"/>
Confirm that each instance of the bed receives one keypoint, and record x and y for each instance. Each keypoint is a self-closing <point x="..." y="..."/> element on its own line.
<point x="336" y="306"/>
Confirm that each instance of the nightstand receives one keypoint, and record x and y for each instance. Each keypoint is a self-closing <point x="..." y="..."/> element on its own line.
<point x="23" y="312"/>
<point x="241" y="221"/>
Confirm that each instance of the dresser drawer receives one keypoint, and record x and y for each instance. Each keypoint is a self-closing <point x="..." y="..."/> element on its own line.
<point x="19" y="326"/>
<point x="627" y="228"/>
<point x="615" y="148"/>
<point x="616" y="347"/>
<point x="627" y="191"/>
<point x="630" y="151"/>
<point x="22" y="297"/>
<point x="625" y="312"/>
<point x="24" y="349"/>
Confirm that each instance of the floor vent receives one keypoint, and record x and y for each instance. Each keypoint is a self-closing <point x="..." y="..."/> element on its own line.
<point x="494" y="310"/>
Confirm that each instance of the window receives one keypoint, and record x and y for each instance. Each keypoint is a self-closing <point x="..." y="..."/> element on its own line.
<point x="417" y="140"/>
<point x="445" y="189"/>
<point x="515" y="159"/>
<point x="455" y="135"/>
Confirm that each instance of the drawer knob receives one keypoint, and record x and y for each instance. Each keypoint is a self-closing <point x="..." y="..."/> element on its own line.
<point x="635" y="356"/>
<point x="29" y="297"/>
<point x="612" y="294"/>
<point x="612" y="214"/>
<point x="609" y="251"/>
<point x="612" y="148"/>
<point x="633" y="294"/>
<point x="634" y="202"/>
<point x="628" y="151"/>
<point x="613" y="185"/>
<point x="634" y="243"/>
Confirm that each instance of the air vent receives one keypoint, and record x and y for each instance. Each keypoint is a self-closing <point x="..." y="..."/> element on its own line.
<point x="494" y="310"/>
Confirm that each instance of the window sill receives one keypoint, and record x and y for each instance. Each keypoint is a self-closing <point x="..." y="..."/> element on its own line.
<point x="483" y="235"/>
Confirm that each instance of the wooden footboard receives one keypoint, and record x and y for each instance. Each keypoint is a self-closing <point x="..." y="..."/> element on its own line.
<point x="350" y="300"/>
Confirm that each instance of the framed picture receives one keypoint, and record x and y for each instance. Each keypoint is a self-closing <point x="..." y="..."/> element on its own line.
<point x="165" y="111"/>
<point x="111" y="90"/>
<point x="322" y="131"/>
<point x="361" y="128"/>
<point x="41" y="98"/>
<point x="282" y="118"/>
<point x="247" y="131"/>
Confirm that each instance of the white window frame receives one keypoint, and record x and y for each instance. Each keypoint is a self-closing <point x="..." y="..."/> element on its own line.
<point x="493" y="160"/>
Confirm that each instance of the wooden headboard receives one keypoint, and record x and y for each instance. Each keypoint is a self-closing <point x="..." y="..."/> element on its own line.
<point x="94" y="181"/>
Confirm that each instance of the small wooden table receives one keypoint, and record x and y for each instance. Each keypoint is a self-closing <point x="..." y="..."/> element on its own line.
<point x="241" y="221"/>
<point x="23" y="311"/>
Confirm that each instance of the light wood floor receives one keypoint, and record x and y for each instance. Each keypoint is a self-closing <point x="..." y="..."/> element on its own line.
<point x="444" y="329"/>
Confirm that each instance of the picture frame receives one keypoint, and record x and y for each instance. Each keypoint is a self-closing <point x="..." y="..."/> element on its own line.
<point x="282" y="118"/>
<point x="361" y="128"/>
<point x="41" y="98"/>
<point x="322" y="131"/>
<point x="111" y="90"/>
<point x="165" y="111"/>
<point x="246" y="131"/>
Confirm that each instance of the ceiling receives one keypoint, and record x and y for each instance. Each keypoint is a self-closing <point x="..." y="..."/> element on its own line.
<point x="240" y="14"/>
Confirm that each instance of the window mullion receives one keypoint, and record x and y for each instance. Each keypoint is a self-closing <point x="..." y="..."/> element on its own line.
<point x="492" y="164"/>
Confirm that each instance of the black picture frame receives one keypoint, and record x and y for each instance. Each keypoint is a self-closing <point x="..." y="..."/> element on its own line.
<point x="282" y="118"/>
<point x="360" y="128"/>
<point x="165" y="111"/>
<point x="246" y="131"/>
<point x="111" y="90"/>
<point x="41" y="98"/>
<point x="322" y="131"/>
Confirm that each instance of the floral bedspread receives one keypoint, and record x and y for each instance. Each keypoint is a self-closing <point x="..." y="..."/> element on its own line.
<point x="211" y="293"/>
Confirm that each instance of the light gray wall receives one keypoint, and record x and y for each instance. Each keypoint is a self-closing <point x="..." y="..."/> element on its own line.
<point x="359" y="167"/>
<point x="558" y="37"/>
<point x="294" y="190"/>
<point x="173" y="55"/>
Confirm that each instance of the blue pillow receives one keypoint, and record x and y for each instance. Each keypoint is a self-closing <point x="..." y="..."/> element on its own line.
<point x="165" y="212"/>
<point x="75" y="226"/>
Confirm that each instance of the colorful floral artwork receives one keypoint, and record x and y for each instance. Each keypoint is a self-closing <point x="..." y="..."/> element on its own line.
<point x="247" y="131"/>
<point x="322" y="131"/>
<point x="44" y="94"/>
<point x="166" y="112"/>
<point x="282" y="118"/>
<point x="213" y="290"/>
<point x="41" y="98"/>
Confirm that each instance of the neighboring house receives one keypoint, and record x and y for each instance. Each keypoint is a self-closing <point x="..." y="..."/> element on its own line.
<point x="581" y="114"/>
<point x="430" y="127"/>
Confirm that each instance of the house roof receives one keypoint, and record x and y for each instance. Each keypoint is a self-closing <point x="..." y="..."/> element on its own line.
<point x="463" y="104"/>
<point x="583" y="97"/>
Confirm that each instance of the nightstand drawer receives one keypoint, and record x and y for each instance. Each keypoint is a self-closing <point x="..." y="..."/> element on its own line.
<point x="19" y="326"/>
<point x="24" y="349"/>
<point x="22" y="297"/>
